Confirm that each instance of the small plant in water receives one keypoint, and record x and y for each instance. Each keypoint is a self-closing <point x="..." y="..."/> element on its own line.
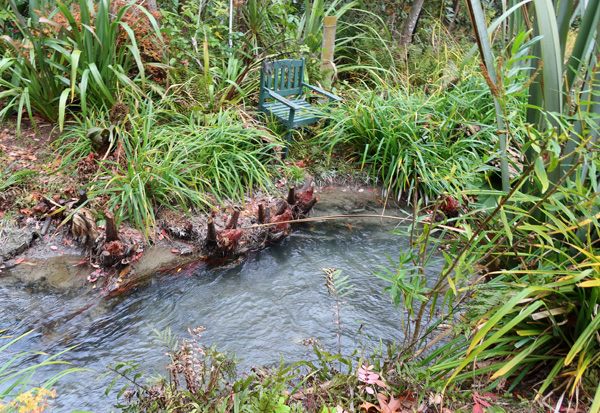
<point x="338" y="288"/>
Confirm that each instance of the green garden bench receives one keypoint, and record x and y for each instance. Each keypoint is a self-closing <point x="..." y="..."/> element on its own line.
<point x="281" y="95"/>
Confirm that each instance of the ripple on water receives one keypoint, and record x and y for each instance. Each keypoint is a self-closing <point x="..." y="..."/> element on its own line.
<point x="261" y="308"/>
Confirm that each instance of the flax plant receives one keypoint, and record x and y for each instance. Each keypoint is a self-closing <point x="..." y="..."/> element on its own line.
<point x="79" y="63"/>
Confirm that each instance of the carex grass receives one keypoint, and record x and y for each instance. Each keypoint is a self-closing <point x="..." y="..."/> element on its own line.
<point x="410" y="140"/>
<point x="169" y="159"/>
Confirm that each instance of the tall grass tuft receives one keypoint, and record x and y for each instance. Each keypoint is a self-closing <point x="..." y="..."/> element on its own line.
<point x="403" y="136"/>
<point x="175" y="160"/>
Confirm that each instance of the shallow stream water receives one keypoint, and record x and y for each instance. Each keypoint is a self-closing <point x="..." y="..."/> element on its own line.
<point x="261" y="308"/>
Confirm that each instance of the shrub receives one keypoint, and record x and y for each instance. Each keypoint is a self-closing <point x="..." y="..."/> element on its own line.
<point x="76" y="57"/>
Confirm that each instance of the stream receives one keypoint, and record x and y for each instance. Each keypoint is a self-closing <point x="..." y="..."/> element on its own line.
<point x="261" y="308"/>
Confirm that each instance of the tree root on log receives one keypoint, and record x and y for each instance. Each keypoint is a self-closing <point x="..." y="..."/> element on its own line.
<point x="221" y="234"/>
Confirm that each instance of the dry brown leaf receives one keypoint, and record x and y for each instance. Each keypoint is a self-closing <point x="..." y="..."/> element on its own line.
<point x="369" y="408"/>
<point x="393" y="406"/>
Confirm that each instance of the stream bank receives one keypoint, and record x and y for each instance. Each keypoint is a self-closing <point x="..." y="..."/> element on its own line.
<point x="57" y="262"/>
<point x="268" y="304"/>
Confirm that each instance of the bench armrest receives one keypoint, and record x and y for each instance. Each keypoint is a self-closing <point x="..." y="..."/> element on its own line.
<point x="321" y="91"/>
<point x="283" y="100"/>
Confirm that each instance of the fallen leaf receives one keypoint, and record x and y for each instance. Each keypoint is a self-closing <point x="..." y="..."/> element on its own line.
<point x="477" y="408"/>
<point x="393" y="406"/>
<point x="20" y="260"/>
<point x="369" y="408"/>
<point x="437" y="399"/>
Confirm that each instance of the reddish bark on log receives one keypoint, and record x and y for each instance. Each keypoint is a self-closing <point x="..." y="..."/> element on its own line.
<point x="304" y="197"/>
<point x="285" y="216"/>
<point x="228" y="239"/>
<point x="114" y="248"/>
<point x="232" y="224"/>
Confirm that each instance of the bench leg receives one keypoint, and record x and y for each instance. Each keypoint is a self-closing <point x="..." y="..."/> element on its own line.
<point x="288" y="138"/>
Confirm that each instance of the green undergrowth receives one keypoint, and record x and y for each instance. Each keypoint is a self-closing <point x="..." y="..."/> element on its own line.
<point x="409" y="140"/>
<point x="157" y="157"/>
<point x="19" y="389"/>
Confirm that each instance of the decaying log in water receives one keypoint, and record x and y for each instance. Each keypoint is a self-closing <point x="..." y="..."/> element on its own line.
<point x="227" y="232"/>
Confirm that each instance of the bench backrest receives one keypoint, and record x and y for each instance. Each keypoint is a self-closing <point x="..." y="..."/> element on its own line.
<point x="282" y="76"/>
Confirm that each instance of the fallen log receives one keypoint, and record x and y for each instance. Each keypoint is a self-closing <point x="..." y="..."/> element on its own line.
<point x="221" y="234"/>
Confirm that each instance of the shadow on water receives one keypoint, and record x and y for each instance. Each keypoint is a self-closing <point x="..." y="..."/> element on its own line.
<point x="261" y="308"/>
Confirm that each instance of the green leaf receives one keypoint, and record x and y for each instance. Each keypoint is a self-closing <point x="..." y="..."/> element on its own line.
<point x="540" y="171"/>
<point x="586" y="338"/>
<point x="507" y="229"/>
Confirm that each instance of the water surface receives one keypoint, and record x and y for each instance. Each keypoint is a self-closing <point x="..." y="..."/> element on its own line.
<point x="261" y="308"/>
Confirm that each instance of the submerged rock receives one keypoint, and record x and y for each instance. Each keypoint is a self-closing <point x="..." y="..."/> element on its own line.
<point x="15" y="241"/>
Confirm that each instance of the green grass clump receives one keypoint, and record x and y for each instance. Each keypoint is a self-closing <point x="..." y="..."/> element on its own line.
<point x="190" y="161"/>
<point x="401" y="136"/>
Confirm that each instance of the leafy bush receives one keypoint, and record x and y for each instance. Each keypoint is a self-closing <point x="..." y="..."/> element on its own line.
<point x="527" y="264"/>
<point x="200" y="379"/>
<point x="73" y="57"/>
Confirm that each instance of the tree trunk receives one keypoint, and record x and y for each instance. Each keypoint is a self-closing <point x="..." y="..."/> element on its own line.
<point x="151" y="5"/>
<point x="455" y="17"/>
<point x="410" y="24"/>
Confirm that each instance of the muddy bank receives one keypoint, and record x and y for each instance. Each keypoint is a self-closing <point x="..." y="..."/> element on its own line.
<point x="56" y="261"/>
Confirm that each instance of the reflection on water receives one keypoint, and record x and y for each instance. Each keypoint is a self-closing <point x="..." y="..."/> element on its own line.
<point x="260" y="308"/>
